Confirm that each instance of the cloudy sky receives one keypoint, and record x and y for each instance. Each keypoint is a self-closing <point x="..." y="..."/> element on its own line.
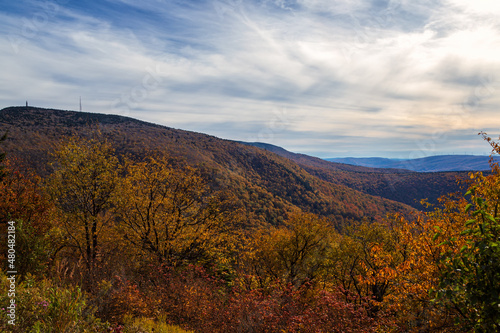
<point x="329" y="78"/>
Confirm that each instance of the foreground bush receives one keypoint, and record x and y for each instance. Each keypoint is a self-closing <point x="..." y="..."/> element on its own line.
<point x="42" y="306"/>
<point x="194" y="299"/>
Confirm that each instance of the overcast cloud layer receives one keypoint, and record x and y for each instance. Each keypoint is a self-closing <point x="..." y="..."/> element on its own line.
<point x="328" y="78"/>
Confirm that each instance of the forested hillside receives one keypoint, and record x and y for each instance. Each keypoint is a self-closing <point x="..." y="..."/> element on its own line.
<point x="116" y="225"/>
<point x="267" y="185"/>
<point x="394" y="184"/>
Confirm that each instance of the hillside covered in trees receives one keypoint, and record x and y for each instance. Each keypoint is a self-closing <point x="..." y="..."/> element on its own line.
<point x="395" y="184"/>
<point x="267" y="185"/>
<point x="126" y="226"/>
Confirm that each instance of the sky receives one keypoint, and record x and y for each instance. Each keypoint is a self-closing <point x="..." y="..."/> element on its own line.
<point x="327" y="78"/>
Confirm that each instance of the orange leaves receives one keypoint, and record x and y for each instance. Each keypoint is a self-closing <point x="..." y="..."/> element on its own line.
<point x="364" y="261"/>
<point x="428" y="242"/>
<point x="23" y="197"/>
<point x="122" y="299"/>
<point x="379" y="266"/>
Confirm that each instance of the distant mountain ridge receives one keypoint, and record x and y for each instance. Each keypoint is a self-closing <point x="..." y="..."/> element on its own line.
<point x="318" y="162"/>
<point x="395" y="184"/>
<point x="438" y="163"/>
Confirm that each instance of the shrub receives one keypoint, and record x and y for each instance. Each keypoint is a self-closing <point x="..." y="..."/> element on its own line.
<point x="192" y="298"/>
<point x="42" y="306"/>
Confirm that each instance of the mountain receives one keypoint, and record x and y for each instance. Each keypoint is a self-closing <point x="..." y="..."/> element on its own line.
<point x="425" y="164"/>
<point x="400" y="185"/>
<point x="268" y="186"/>
<point x="310" y="160"/>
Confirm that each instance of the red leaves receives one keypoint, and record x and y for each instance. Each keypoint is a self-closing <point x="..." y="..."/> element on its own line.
<point x="22" y="197"/>
<point x="191" y="298"/>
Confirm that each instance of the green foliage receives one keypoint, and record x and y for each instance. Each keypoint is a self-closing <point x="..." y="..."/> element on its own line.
<point x="34" y="248"/>
<point x="43" y="307"/>
<point x="470" y="279"/>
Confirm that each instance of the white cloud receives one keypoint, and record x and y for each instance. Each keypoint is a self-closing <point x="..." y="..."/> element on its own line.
<point x="479" y="7"/>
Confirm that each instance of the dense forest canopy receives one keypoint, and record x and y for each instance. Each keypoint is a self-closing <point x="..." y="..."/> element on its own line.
<point x="125" y="226"/>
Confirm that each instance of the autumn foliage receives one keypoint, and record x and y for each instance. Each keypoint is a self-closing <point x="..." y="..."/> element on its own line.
<point x="155" y="241"/>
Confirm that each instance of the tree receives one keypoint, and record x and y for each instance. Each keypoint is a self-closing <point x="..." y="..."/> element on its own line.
<point x="363" y="262"/>
<point x="82" y="185"/>
<point x="470" y="262"/>
<point x="418" y="271"/>
<point x="25" y="203"/>
<point x="449" y="278"/>
<point x="170" y="213"/>
<point x="295" y="253"/>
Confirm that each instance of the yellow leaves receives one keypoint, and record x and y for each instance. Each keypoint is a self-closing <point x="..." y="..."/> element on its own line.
<point x="421" y="242"/>
<point x="85" y="176"/>
<point x="294" y="253"/>
<point x="82" y="186"/>
<point x="171" y="213"/>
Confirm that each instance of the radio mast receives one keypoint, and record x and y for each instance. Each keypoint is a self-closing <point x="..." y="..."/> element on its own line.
<point x="80" y="103"/>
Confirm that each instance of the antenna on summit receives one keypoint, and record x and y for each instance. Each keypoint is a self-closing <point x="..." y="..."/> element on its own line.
<point x="80" y="103"/>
